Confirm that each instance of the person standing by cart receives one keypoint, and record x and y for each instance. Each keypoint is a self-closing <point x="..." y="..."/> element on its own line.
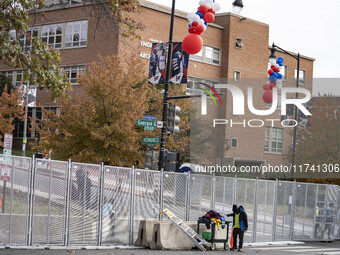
<point x="240" y="225"/>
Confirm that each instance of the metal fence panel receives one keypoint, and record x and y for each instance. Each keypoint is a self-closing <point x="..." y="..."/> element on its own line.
<point x="337" y="226"/>
<point x="49" y="202"/>
<point x="200" y="195"/>
<point x="117" y="197"/>
<point x="14" y="221"/>
<point x="84" y="209"/>
<point x="224" y="195"/>
<point x="284" y="209"/>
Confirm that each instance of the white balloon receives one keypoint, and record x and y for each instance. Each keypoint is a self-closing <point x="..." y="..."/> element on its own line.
<point x="209" y="1"/>
<point x="196" y="18"/>
<point x="279" y="84"/>
<point x="277" y="66"/>
<point x="191" y="16"/>
<point x="216" y="6"/>
<point x="205" y="27"/>
<point x="202" y="2"/>
<point x="201" y="22"/>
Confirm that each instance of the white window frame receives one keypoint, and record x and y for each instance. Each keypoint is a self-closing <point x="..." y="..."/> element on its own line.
<point x="270" y="139"/>
<point x="231" y="142"/>
<point x="237" y="74"/>
<point x="14" y="74"/>
<point x="202" y="56"/>
<point x="194" y="82"/>
<point x="71" y="34"/>
<point x="47" y="38"/>
<point x="70" y="70"/>
<point x="302" y="82"/>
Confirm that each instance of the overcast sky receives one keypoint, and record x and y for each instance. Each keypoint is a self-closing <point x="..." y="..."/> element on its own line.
<point x="310" y="27"/>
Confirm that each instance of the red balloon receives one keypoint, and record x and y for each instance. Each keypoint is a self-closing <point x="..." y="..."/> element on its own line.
<point x="212" y="11"/>
<point x="203" y="9"/>
<point x="270" y="72"/>
<point x="209" y="17"/>
<point x="192" y="30"/>
<point x="194" y="24"/>
<point x="192" y="43"/>
<point x="266" y="86"/>
<point x="272" y="84"/>
<point x="268" y="96"/>
<point x="200" y="29"/>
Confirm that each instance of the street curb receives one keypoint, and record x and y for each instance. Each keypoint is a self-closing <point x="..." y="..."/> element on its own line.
<point x="115" y="247"/>
<point x="280" y="243"/>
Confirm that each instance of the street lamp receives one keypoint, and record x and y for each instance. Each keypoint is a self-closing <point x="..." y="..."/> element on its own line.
<point x="237" y="6"/>
<point x="272" y="59"/>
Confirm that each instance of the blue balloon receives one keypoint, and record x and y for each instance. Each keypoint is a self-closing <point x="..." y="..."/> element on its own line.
<point x="279" y="76"/>
<point x="280" y="64"/>
<point x="280" y="59"/>
<point x="200" y="14"/>
<point x="189" y="26"/>
<point x="275" y="74"/>
<point x="272" y="78"/>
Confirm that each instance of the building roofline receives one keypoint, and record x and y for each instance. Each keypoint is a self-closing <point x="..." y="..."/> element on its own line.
<point x="294" y="53"/>
<point x="167" y="10"/>
<point x="240" y="17"/>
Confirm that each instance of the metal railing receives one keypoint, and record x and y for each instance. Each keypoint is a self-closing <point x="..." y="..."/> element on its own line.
<point x="68" y="203"/>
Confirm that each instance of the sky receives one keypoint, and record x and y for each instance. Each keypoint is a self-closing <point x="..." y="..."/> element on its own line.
<point x="310" y="27"/>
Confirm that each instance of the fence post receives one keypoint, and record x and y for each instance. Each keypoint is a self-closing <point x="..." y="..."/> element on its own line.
<point x="187" y="205"/>
<point x="292" y="213"/>
<point x="255" y="210"/>
<point x="67" y="203"/>
<point x="161" y="186"/>
<point x="275" y="210"/>
<point x="213" y="191"/>
<point x="11" y="202"/>
<point x="30" y="207"/>
<point x="132" y="204"/>
<point x="100" y="202"/>
<point x="235" y="190"/>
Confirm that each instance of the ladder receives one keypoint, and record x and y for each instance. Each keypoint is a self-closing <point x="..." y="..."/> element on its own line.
<point x="188" y="231"/>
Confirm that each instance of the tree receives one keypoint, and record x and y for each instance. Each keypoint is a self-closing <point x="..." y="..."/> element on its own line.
<point x="20" y="49"/>
<point x="319" y="143"/>
<point x="101" y="126"/>
<point x="9" y="110"/>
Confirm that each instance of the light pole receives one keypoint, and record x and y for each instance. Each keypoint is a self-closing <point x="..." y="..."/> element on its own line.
<point x="24" y="141"/>
<point x="272" y="58"/>
<point x="166" y="91"/>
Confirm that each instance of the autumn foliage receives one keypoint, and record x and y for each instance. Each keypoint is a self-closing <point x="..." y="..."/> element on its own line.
<point x="101" y="126"/>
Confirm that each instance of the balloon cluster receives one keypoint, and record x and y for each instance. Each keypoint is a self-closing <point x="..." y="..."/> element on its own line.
<point x="275" y="80"/>
<point x="198" y="23"/>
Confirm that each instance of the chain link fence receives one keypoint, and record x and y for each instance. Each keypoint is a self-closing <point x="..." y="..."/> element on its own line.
<point x="68" y="203"/>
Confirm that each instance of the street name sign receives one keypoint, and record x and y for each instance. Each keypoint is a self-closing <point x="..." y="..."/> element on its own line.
<point x="148" y="117"/>
<point x="151" y="140"/>
<point x="147" y="123"/>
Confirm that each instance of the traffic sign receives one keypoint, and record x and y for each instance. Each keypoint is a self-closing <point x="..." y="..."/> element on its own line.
<point x="151" y="145"/>
<point x="8" y="141"/>
<point x="149" y="128"/>
<point x="148" y="117"/>
<point x="151" y="140"/>
<point x="147" y="123"/>
<point x="159" y="124"/>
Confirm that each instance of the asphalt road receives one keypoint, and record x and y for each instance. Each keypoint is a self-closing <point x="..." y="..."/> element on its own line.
<point x="307" y="248"/>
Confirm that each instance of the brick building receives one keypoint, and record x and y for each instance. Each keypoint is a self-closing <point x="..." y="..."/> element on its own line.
<point x="236" y="49"/>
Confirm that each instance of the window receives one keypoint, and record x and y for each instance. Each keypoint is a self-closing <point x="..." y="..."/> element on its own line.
<point x="27" y="38"/>
<point x="193" y="86"/>
<point x="72" y="72"/>
<point x="208" y="55"/>
<point x="301" y="77"/>
<point x="234" y="143"/>
<point x="51" y="34"/>
<point x="76" y="34"/>
<point x="237" y="76"/>
<point x="273" y="141"/>
<point x="238" y="43"/>
<point x="15" y="76"/>
<point x="212" y="55"/>
<point x="198" y="56"/>
<point x="59" y="2"/>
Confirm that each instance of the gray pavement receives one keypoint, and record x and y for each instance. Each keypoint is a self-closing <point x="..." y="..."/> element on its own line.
<point x="307" y="248"/>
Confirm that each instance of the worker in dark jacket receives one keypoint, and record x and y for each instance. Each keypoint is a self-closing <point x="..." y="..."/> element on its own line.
<point x="240" y="224"/>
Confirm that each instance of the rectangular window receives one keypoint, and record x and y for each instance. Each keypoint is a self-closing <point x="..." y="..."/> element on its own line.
<point x="72" y="73"/>
<point x="15" y="76"/>
<point x="27" y="38"/>
<point x="234" y="143"/>
<point x="273" y="141"/>
<point x="212" y="55"/>
<point x="301" y="77"/>
<point x="237" y="76"/>
<point x="52" y="34"/>
<point x="238" y="43"/>
<point x="76" y="34"/>
<point x="198" y="56"/>
<point x="194" y="86"/>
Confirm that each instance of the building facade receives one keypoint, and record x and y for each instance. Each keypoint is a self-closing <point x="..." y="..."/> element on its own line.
<point x="235" y="51"/>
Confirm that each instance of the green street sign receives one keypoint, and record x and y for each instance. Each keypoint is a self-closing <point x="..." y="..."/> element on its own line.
<point x="147" y="123"/>
<point x="151" y="140"/>
<point x="151" y="145"/>
<point x="149" y="128"/>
